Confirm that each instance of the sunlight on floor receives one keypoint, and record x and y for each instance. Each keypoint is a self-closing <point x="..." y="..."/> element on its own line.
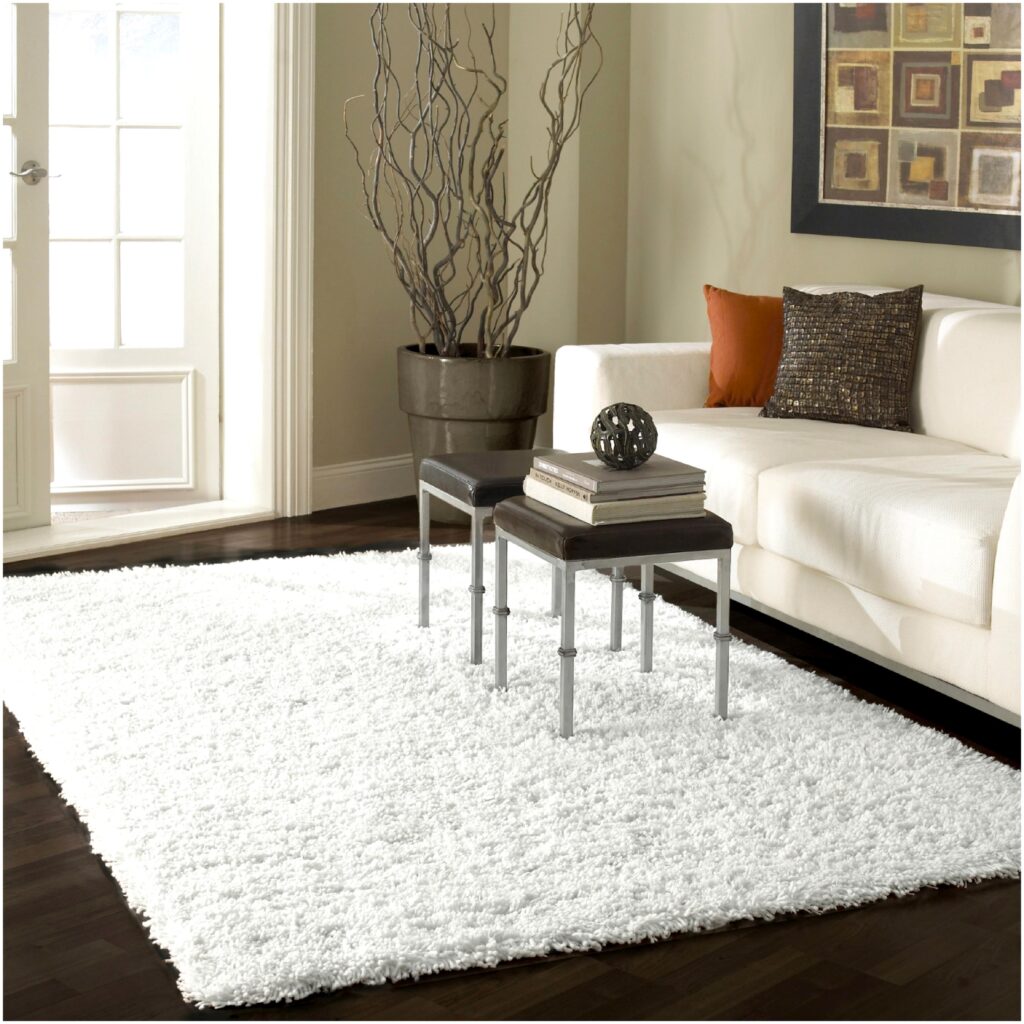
<point x="79" y="516"/>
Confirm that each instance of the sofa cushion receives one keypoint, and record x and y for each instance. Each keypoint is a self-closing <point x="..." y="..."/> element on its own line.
<point x="921" y="529"/>
<point x="734" y="446"/>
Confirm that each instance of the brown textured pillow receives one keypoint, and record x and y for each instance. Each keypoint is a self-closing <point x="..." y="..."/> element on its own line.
<point x="847" y="358"/>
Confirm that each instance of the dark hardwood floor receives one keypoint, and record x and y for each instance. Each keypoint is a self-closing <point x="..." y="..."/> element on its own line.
<point x="73" y="950"/>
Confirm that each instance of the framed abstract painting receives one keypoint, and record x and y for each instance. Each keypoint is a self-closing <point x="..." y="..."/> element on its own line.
<point x="906" y="122"/>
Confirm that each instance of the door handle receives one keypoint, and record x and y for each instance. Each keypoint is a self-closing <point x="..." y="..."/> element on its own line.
<point x="31" y="173"/>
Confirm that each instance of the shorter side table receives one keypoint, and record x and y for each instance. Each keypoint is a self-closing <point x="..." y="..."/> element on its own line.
<point x="570" y="546"/>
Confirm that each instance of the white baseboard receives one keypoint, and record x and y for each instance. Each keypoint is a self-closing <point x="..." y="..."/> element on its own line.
<point x="355" y="483"/>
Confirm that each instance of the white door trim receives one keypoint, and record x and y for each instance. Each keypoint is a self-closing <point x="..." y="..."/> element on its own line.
<point x="294" y="107"/>
<point x="26" y="375"/>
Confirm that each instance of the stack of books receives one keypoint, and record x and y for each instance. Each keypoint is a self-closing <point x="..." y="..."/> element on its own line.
<point x="582" y="486"/>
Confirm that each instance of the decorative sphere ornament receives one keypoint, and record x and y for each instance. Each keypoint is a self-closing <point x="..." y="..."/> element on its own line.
<point x="624" y="436"/>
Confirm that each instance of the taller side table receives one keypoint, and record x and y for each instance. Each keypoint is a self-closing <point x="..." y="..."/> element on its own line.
<point x="570" y="546"/>
<point x="473" y="482"/>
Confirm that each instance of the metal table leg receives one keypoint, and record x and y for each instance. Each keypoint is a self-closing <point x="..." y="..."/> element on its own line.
<point x="567" y="652"/>
<point x="646" y="617"/>
<point x="556" y="592"/>
<point x="424" y="557"/>
<point x="476" y="588"/>
<point x="618" y="582"/>
<point x="500" y="613"/>
<point x="722" y="637"/>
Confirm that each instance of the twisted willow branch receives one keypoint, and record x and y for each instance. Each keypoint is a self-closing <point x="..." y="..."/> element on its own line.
<point x="435" y="181"/>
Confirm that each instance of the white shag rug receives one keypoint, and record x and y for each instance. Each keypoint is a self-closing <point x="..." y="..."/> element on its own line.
<point x="298" y="789"/>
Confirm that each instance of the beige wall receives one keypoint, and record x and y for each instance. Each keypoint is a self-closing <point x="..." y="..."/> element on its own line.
<point x="360" y="315"/>
<point x="551" y="320"/>
<point x="709" y="177"/>
<point x="582" y="295"/>
<point x="603" y="186"/>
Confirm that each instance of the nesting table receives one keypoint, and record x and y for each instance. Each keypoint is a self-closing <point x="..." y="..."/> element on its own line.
<point x="570" y="546"/>
<point x="473" y="482"/>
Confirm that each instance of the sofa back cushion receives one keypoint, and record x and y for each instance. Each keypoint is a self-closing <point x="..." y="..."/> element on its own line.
<point x="967" y="382"/>
<point x="967" y="378"/>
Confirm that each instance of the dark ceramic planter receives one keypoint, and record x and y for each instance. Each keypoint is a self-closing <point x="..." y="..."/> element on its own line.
<point x="467" y="404"/>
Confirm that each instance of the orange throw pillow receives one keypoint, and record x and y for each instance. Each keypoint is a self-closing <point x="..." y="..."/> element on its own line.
<point x="746" y="342"/>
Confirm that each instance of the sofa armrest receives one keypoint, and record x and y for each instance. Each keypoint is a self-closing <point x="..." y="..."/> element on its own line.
<point x="1004" y="644"/>
<point x="661" y="375"/>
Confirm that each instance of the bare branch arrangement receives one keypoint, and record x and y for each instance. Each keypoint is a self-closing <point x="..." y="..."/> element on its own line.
<point x="435" y="182"/>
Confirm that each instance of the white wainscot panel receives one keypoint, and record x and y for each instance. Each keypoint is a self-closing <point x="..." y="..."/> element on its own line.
<point x="123" y="431"/>
<point x="14" y="452"/>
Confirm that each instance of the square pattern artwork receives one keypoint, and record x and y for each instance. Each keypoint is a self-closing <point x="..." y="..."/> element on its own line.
<point x="922" y="106"/>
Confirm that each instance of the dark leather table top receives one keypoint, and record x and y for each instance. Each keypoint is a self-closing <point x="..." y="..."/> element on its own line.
<point x="480" y="479"/>
<point x="572" y="540"/>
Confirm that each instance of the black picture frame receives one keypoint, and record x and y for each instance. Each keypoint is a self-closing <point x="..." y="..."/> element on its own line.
<point x="809" y="216"/>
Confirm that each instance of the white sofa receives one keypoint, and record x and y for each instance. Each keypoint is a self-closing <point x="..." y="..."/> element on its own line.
<point x="902" y="547"/>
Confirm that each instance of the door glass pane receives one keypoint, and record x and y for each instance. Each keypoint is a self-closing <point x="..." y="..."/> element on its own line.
<point x="152" y="181"/>
<point x="82" y="198"/>
<point x="7" y="187"/>
<point x="151" y="81"/>
<point x="81" y="67"/>
<point x="152" y="295"/>
<point x="6" y="58"/>
<point x="6" y="305"/>
<point x="81" y="295"/>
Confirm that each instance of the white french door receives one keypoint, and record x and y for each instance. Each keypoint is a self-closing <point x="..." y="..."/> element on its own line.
<point x="134" y="129"/>
<point x="259" y="109"/>
<point x="23" y="266"/>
